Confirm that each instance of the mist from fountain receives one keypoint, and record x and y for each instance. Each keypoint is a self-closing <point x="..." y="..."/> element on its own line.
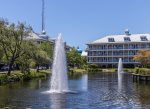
<point x="59" y="78"/>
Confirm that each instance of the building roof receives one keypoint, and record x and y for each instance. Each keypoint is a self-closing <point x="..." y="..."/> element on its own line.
<point x="121" y="38"/>
<point x="34" y="36"/>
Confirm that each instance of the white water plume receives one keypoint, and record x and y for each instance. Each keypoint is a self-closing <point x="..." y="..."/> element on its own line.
<point x="59" y="78"/>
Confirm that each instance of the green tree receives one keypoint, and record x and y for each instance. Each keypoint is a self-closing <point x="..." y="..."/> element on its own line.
<point x="41" y="58"/>
<point x="74" y="59"/>
<point x="26" y="59"/>
<point x="34" y="56"/>
<point x="12" y="41"/>
<point x="48" y="47"/>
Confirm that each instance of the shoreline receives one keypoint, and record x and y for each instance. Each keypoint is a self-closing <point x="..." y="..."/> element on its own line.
<point x="18" y="76"/>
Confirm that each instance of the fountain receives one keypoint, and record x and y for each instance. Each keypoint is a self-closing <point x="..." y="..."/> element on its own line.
<point x="120" y="66"/>
<point x="59" y="78"/>
<point x="120" y="74"/>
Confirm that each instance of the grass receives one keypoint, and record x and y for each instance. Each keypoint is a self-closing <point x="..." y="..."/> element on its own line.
<point x="136" y="70"/>
<point x="90" y="70"/>
<point x="142" y="71"/>
<point x="78" y="70"/>
<point x="129" y="70"/>
<point x="111" y="70"/>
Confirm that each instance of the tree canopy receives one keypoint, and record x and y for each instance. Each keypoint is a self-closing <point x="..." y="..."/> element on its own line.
<point x="143" y="57"/>
<point x="14" y="49"/>
<point x="75" y="59"/>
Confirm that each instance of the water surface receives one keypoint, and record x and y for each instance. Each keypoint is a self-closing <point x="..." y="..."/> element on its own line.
<point x="93" y="91"/>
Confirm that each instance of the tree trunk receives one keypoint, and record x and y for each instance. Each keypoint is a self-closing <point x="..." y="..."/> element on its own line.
<point x="10" y="67"/>
<point x="37" y="70"/>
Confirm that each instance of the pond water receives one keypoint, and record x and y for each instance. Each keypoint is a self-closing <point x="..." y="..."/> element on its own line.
<point x="92" y="91"/>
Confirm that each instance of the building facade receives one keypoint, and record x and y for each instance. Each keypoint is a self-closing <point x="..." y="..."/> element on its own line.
<point x="105" y="52"/>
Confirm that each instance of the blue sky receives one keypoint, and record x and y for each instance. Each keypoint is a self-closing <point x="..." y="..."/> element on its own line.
<point x="81" y="21"/>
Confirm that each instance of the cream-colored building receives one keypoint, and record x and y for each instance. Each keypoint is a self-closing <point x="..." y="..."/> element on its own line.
<point x="106" y="51"/>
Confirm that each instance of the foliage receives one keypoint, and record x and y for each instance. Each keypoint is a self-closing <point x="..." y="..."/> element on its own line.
<point x="18" y="76"/>
<point x="36" y="55"/>
<point x="75" y="59"/>
<point x="129" y="70"/>
<point x="142" y="71"/>
<point x="92" y="66"/>
<point x="77" y="70"/>
<point x="48" y="48"/>
<point x="3" y="78"/>
<point x="12" y="41"/>
<point x="14" y="49"/>
<point x="41" y="58"/>
<point x="25" y="60"/>
<point x="143" y="57"/>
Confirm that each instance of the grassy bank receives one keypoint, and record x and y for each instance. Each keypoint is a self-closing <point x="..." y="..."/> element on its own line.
<point x="142" y="71"/>
<point x="18" y="76"/>
<point x="77" y="70"/>
<point x="129" y="70"/>
<point x="90" y="70"/>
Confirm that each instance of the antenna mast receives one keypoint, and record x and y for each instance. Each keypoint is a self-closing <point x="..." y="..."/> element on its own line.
<point x="43" y="17"/>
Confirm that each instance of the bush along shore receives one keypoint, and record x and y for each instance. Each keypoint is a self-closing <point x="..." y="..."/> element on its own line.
<point x="141" y="74"/>
<point x="140" y="71"/>
<point x="18" y="76"/>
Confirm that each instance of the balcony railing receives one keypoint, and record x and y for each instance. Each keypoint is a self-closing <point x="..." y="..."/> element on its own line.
<point x="110" y="61"/>
<point x="120" y="54"/>
<point x="119" y="48"/>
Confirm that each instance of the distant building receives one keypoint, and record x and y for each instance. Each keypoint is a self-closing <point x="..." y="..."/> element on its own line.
<point x="106" y="51"/>
<point x="37" y="38"/>
<point x="40" y="38"/>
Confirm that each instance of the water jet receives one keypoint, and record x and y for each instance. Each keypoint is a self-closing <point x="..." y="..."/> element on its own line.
<point x="120" y="74"/>
<point x="59" y="78"/>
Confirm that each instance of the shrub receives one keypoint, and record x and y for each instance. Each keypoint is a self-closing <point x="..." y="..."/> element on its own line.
<point x="92" y="66"/>
<point x="3" y="79"/>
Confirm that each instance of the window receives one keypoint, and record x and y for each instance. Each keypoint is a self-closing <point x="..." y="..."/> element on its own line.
<point x="111" y="40"/>
<point x="143" y="38"/>
<point x="127" y="39"/>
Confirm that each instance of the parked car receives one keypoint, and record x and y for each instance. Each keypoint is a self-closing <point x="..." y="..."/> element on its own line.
<point x="5" y="67"/>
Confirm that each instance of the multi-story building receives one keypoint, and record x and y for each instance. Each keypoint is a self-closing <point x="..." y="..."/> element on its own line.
<point x="106" y="51"/>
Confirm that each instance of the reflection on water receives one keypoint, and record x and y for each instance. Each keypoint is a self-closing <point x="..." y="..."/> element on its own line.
<point x="120" y="81"/>
<point x="58" y="101"/>
<point x="94" y="91"/>
<point x="84" y="82"/>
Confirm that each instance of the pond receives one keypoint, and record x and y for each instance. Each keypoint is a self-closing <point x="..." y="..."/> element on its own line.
<point x="91" y="91"/>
